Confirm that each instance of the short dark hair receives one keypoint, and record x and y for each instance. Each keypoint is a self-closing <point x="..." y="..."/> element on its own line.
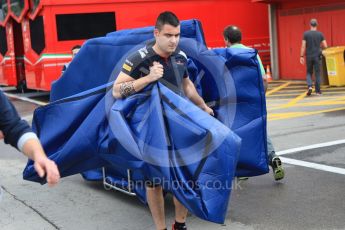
<point x="167" y="17"/>
<point x="232" y="34"/>
<point x="313" y="22"/>
<point x="76" y="47"/>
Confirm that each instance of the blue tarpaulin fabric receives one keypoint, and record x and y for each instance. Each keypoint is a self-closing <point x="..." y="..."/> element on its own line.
<point x="250" y="119"/>
<point x="157" y="132"/>
<point x="103" y="54"/>
<point x="248" y="116"/>
<point x="72" y="131"/>
<point x="176" y="142"/>
<point x="99" y="61"/>
<point x="237" y="96"/>
<point x="84" y="128"/>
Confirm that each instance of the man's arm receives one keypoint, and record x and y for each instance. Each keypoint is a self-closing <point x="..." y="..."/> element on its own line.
<point x="192" y="94"/>
<point x="301" y="60"/>
<point x="125" y="85"/>
<point x="18" y="133"/>
<point x="32" y="148"/>
<point x="324" y="44"/>
<point x="263" y="73"/>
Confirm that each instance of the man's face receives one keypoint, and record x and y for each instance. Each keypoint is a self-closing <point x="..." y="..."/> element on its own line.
<point x="167" y="38"/>
<point x="74" y="52"/>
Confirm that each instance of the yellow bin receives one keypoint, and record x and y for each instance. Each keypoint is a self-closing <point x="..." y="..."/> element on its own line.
<point x="335" y="61"/>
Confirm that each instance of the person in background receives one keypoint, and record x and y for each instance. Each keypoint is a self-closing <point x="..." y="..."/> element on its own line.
<point x="312" y="42"/>
<point x="74" y="50"/>
<point x="233" y="38"/>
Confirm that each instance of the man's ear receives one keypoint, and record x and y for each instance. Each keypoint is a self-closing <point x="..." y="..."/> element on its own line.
<point x="155" y="32"/>
<point x="227" y="43"/>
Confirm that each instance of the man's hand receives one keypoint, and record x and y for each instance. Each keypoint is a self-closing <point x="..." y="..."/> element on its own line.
<point x="1" y="135"/>
<point x="156" y="71"/>
<point x="208" y="110"/>
<point x="48" y="168"/>
<point x="301" y="60"/>
<point x="303" y="48"/>
<point x="43" y="166"/>
<point x="192" y="94"/>
<point x="126" y="85"/>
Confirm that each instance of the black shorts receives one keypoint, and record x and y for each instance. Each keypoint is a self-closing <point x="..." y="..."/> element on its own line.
<point x="153" y="182"/>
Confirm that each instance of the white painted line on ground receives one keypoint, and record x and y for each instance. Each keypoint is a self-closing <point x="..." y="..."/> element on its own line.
<point x="313" y="165"/>
<point x="308" y="147"/>
<point x="25" y="99"/>
<point x="34" y="94"/>
<point x="7" y="88"/>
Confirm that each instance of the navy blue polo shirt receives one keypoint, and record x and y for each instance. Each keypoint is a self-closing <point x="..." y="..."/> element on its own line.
<point x="138" y="65"/>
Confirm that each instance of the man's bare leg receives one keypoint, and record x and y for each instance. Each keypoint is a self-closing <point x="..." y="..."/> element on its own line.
<point x="180" y="212"/>
<point x="155" y="200"/>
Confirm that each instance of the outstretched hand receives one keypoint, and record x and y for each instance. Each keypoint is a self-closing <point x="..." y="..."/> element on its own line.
<point x="48" y="168"/>
<point x="43" y="165"/>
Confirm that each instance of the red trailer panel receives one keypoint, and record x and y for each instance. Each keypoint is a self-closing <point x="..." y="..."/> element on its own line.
<point x="35" y="7"/>
<point x="4" y="14"/>
<point x="60" y="37"/>
<point x="18" y="9"/>
<point x="50" y="29"/>
<point x="8" y="76"/>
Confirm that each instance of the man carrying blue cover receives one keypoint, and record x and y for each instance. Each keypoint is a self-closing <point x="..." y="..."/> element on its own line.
<point x="233" y="37"/>
<point x="160" y="60"/>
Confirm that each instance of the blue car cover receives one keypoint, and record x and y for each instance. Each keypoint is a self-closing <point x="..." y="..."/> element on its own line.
<point x="246" y="92"/>
<point x="100" y="61"/>
<point x="76" y="133"/>
<point x="99" y="56"/>
<point x="156" y="133"/>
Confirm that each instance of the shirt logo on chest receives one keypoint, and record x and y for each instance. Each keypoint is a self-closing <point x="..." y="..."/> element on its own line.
<point x="179" y="62"/>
